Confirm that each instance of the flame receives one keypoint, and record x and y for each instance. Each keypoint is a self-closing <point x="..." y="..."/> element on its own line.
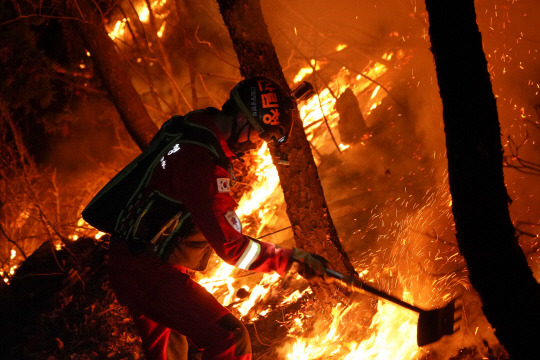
<point x="375" y="91"/>
<point x="315" y="65"/>
<point x="393" y="336"/>
<point x="144" y="14"/>
<point x="119" y="29"/>
<point x="265" y="184"/>
<point x="387" y="56"/>
<point x="161" y="30"/>
<point x="258" y="293"/>
<point x="320" y="109"/>
<point x="219" y="277"/>
<point x="158" y="8"/>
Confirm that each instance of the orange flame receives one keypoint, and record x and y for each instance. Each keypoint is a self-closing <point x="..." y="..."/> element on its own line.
<point x="393" y="336"/>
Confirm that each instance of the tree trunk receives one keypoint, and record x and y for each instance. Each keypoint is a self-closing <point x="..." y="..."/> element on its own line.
<point x="497" y="266"/>
<point x="307" y="210"/>
<point x="112" y="70"/>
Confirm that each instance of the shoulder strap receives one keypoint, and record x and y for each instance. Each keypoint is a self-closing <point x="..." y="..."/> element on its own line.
<point x="200" y="135"/>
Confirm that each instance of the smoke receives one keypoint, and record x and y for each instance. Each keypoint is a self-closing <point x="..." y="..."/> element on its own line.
<point x="305" y="30"/>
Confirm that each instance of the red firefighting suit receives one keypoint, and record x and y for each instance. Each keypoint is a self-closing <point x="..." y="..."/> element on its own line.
<point x="159" y="292"/>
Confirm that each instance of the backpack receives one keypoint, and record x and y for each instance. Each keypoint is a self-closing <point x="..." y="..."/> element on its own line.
<point x="105" y="210"/>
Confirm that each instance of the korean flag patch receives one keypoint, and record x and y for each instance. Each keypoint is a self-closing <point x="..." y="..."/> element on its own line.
<point x="233" y="220"/>
<point x="224" y="185"/>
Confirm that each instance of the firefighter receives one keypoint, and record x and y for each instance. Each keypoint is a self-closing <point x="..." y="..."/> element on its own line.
<point x="183" y="211"/>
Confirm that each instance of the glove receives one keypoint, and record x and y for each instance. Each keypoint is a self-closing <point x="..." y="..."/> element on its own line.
<point x="311" y="267"/>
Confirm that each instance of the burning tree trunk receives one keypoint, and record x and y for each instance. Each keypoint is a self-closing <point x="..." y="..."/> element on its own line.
<point x="306" y="206"/>
<point x="486" y="237"/>
<point x="112" y="70"/>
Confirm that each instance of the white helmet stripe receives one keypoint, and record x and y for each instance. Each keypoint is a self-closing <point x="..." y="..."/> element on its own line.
<point x="250" y="254"/>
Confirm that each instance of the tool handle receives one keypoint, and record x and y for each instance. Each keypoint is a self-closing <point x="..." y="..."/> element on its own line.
<point x="355" y="285"/>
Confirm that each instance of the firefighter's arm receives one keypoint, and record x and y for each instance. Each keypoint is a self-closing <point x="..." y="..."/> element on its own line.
<point x="205" y="191"/>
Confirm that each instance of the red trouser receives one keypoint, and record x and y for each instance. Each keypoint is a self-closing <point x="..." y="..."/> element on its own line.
<point x="163" y="297"/>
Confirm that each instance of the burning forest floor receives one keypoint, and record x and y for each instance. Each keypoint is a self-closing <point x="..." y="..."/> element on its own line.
<point x="51" y="313"/>
<point x="59" y="304"/>
<point x="395" y="223"/>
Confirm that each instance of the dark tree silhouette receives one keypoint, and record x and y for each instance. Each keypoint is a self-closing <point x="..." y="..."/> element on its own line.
<point x="111" y="68"/>
<point x="498" y="269"/>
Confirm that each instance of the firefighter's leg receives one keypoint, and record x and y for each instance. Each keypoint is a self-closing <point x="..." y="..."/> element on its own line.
<point x="177" y="347"/>
<point x="154" y="337"/>
<point x="190" y="310"/>
<point x="159" y="342"/>
<point x="169" y="297"/>
<point x="230" y="340"/>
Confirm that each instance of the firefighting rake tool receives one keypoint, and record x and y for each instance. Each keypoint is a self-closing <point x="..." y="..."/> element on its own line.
<point x="432" y="324"/>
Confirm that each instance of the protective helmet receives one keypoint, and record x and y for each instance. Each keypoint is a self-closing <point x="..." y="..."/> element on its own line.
<point x="267" y="107"/>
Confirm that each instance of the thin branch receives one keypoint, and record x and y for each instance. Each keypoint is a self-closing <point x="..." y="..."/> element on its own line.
<point x="275" y="232"/>
<point x="19" y="143"/>
<point x="257" y="336"/>
<point x="435" y="237"/>
<point x="520" y="232"/>
<point x="175" y="89"/>
<point x="213" y="49"/>
<point x="22" y="17"/>
<point x="23" y="253"/>
<point x="209" y="93"/>
<point x="188" y="47"/>
<point x="165" y="62"/>
<point x="138" y="48"/>
<point x="443" y="274"/>
<point x="537" y="110"/>
<point x="38" y="275"/>
<point x="328" y="125"/>
<point x="514" y="160"/>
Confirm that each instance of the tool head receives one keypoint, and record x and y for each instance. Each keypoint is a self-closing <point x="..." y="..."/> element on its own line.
<point x="434" y="324"/>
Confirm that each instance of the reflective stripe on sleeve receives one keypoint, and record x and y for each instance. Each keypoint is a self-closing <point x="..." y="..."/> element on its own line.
<point x="249" y="255"/>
